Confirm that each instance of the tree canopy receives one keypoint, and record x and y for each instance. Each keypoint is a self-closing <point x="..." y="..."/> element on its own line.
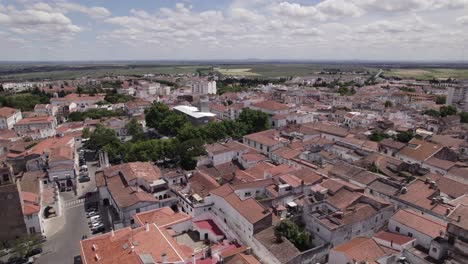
<point x="295" y="234"/>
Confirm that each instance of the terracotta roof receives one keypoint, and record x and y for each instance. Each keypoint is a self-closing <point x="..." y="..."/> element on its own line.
<point x="309" y="176"/>
<point x="343" y="198"/>
<point x="420" y="194"/>
<point x="292" y="180"/>
<point x="448" y="186"/>
<point x="460" y="212"/>
<point x="6" y="112"/>
<point x="419" y="150"/>
<point x="125" y="195"/>
<point x="201" y="183"/>
<point x="390" y="143"/>
<point x="271" y="106"/>
<point x="30" y="203"/>
<point x="362" y="249"/>
<point x="162" y="217"/>
<point x="116" y="247"/>
<point x="419" y="222"/>
<point x="439" y="163"/>
<point x="283" y="251"/>
<point x="287" y="153"/>
<point x="35" y="120"/>
<point x="30" y="181"/>
<point x="209" y="225"/>
<point x="249" y="208"/>
<point x="61" y="153"/>
<point x="134" y="170"/>
<point x="394" y="238"/>
<point x="258" y="170"/>
<point x="329" y="129"/>
<point x="268" y="137"/>
<point x="243" y="259"/>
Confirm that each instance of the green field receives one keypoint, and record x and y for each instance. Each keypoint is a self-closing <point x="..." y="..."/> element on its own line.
<point x="428" y="74"/>
<point x="261" y="70"/>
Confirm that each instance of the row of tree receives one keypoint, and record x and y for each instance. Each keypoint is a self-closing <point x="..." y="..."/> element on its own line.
<point x="182" y="143"/>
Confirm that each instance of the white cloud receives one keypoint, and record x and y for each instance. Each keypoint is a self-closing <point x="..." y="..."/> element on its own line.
<point x="95" y="12"/>
<point x="463" y="20"/>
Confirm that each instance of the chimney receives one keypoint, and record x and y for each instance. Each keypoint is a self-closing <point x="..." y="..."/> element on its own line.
<point x="193" y="259"/>
<point x="112" y="232"/>
<point x="147" y="227"/>
<point x="459" y="218"/>
<point x="163" y="258"/>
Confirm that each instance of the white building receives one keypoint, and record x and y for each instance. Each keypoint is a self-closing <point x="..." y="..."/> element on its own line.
<point x="204" y="87"/>
<point x="424" y="228"/>
<point x="9" y="117"/>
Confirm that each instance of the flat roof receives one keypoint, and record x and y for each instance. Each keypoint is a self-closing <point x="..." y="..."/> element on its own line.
<point x="193" y="111"/>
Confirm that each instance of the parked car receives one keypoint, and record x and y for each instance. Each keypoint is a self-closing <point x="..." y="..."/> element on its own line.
<point x="84" y="179"/>
<point x="34" y="252"/>
<point x="17" y="260"/>
<point x="98" y="229"/>
<point x="91" y="213"/>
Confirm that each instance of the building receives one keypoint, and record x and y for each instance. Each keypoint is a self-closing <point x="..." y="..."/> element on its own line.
<point x="204" y="87"/>
<point x="136" y="107"/>
<point x="36" y="127"/>
<point x="31" y="212"/>
<point x="62" y="169"/>
<point x="265" y="141"/>
<point x="458" y="95"/>
<point x="132" y="188"/>
<point x="12" y="220"/>
<point x="194" y="116"/>
<point x="9" y="117"/>
<point x="360" y="250"/>
<point x="82" y="102"/>
<point x="424" y="228"/>
<point x="46" y="109"/>
<point x="245" y="217"/>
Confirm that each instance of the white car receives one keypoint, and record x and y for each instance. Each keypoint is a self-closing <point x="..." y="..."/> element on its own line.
<point x="91" y="214"/>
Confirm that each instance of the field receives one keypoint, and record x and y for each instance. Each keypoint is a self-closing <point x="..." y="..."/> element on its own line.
<point x="428" y="74"/>
<point x="237" y="72"/>
<point x="49" y="70"/>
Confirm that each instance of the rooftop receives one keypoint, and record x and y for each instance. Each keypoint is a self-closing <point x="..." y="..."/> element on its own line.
<point x="422" y="223"/>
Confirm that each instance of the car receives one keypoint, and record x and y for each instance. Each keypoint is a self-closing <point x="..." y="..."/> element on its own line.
<point x="96" y="225"/>
<point x="17" y="260"/>
<point x="34" y="252"/>
<point x="95" y="220"/>
<point x="84" y="179"/>
<point x="91" y="213"/>
<point x="98" y="229"/>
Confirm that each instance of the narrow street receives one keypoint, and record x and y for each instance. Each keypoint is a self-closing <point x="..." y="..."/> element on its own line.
<point x="66" y="231"/>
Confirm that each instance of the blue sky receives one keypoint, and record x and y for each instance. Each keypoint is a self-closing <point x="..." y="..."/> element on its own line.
<point x="237" y="29"/>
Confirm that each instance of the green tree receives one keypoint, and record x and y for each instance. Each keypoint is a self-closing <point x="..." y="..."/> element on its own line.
<point x="296" y="235"/>
<point x="134" y="129"/>
<point x="23" y="245"/>
<point x="156" y="114"/>
<point x="440" y="99"/>
<point x="377" y="136"/>
<point x="432" y="112"/>
<point x="447" y="110"/>
<point x="388" y="104"/>
<point x="464" y="117"/>
<point x="105" y="139"/>
<point x="254" y="120"/>
<point x="86" y="133"/>
<point x="405" y="136"/>
<point x="171" y="124"/>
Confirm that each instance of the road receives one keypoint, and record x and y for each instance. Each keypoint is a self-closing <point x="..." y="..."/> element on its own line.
<point x="63" y="245"/>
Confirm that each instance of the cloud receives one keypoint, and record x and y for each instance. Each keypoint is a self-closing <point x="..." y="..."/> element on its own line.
<point x="38" y="20"/>
<point x="462" y="20"/>
<point x="409" y="5"/>
<point x="95" y="12"/>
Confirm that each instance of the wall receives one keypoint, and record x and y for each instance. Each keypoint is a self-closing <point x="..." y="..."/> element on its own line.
<point x="421" y="239"/>
<point x="33" y="221"/>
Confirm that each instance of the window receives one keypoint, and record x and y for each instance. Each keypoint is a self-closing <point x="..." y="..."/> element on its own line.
<point x="29" y="217"/>
<point x="32" y="230"/>
<point x="410" y="234"/>
<point x="397" y="229"/>
<point x="248" y="194"/>
<point x="132" y="221"/>
<point x="137" y="210"/>
<point x="434" y="250"/>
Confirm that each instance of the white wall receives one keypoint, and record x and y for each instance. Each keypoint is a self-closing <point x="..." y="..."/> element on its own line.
<point x="421" y="239"/>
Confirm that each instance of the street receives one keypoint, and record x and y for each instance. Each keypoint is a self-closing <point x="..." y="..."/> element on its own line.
<point x="66" y="231"/>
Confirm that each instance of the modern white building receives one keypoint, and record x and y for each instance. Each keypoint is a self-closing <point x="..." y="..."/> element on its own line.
<point x="204" y="87"/>
<point x="458" y="95"/>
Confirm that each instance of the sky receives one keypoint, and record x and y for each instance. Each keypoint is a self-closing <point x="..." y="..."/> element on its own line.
<point x="51" y="30"/>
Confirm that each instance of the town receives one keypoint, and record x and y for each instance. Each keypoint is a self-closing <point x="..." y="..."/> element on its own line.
<point x="334" y="167"/>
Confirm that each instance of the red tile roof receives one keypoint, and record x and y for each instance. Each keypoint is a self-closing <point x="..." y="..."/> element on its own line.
<point x="271" y="106"/>
<point x="209" y="225"/>
<point x="393" y="238"/>
<point x="6" y="112"/>
<point x="419" y="222"/>
<point x="362" y="249"/>
<point x="162" y="217"/>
